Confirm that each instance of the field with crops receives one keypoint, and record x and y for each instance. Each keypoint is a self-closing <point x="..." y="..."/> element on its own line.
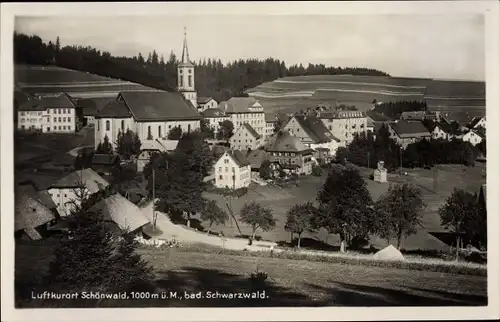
<point x="291" y="94"/>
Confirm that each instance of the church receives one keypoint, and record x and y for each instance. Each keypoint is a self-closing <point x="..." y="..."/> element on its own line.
<point x="152" y="113"/>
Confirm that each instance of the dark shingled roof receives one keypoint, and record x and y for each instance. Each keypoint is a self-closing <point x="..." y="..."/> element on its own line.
<point x="451" y="128"/>
<point x="114" y="109"/>
<point x="104" y="159"/>
<point x="283" y="141"/>
<point x="271" y="118"/>
<point x="213" y="112"/>
<point x="203" y="100"/>
<point x="256" y="158"/>
<point x="62" y="100"/>
<point x="238" y="157"/>
<point x="159" y="106"/>
<point x="410" y="129"/>
<point x="315" y="129"/>
<point x="92" y="181"/>
<point x="239" y="104"/>
<point x="30" y="212"/>
<point x="251" y="130"/>
<point x="377" y="117"/>
<point x="92" y="106"/>
<point x="474" y="121"/>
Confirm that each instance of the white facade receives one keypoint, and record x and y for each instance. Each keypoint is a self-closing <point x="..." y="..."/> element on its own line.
<point x="214" y="121"/>
<point x="255" y="117"/>
<point x="205" y="106"/>
<point x="480" y="123"/>
<point x="243" y="140"/>
<point x="50" y="120"/>
<point x="346" y="125"/>
<point x="228" y="174"/>
<point x="332" y="146"/>
<point x="66" y="199"/>
<point x="438" y="133"/>
<point x="269" y="128"/>
<point x="472" y="137"/>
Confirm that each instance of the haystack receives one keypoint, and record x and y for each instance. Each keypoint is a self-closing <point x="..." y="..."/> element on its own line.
<point x="389" y="253"/>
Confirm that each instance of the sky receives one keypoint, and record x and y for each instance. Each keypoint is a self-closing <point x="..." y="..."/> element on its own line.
<point x="436" y="46"/>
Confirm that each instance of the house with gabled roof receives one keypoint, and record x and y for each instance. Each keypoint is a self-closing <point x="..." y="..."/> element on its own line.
<point x="472" y="136"/>
<point x="477" y="122"/>
<point x="215" y="116"/>
<point x="256" y="158"/>
<point x="205" y="103"/>
<point x="68" y="191"/>
<point x="313" y="133"/>
<point x="245" y="138"/>
<point x="245" y="110"/>
<point x="232" y="170"/>
<point x="271" y="121"/>
<point x="405" y="132"/>
<point x="290" y="153"/>
<point x="445" y="131"/>
<point x="32" y="217"/>
<point x="50" y="114"/>
<point x="344" y="125"/>
<point x="150" y="147"/>
<point x="104" y="164"/>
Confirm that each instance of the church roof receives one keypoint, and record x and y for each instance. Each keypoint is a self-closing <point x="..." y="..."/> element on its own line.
<point x="159" y="106"/>
<point x="185" y="61"/>
<point x="114" y="109"/>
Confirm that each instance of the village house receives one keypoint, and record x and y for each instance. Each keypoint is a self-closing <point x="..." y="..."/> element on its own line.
<point x="90" y="108"/>
<point x="245" y="138"/>
<point x="344" y="124"/>
<point x="289" y="151"/>
<point x="478" y="122"/>
<point x="271" y="121"/>
<point x="205" y="103"/>
<point x="313" y="133"/>
<point x="50" y="114"/>
<point x="445" y="131"/>
<point x="472" y="137"/>
<point x="405" y="132"/>
<point x="105" y="164"/>
<point x="152" y="114"/>
<point x="245" y="110"/>
<point x="413" y="116"/>
<point x="150" y="147"/>
<point x="256" y="158"/>
<point x="232" y="170"/>
<point x="69" y="190"/>
<point x="215" y="116"/>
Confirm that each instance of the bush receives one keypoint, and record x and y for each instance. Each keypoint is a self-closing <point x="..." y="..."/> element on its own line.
<point x="258" y="280"/>
<point x="317" y="170"/>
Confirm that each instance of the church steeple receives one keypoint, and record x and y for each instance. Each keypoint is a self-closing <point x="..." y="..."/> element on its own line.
<point x="185" y="52"/>
<point x="185" y="75"/>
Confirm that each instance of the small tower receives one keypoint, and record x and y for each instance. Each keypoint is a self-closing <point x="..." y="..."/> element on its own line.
<point x="185" y="75"/>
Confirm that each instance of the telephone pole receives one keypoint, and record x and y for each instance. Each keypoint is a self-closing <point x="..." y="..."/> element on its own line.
<point x="154" y="200"/>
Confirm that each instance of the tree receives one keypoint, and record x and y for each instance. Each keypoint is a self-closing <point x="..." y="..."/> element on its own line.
<point x="226" y="129"/>
<point x="400" y="211"/>
<point x="300" y="219"/>
<point x="257" y="216"/>
<point x="207" y="131"/>
<point x="344" y="205"/>
<point x="265" y="170"/>
<point x="128" y="144"/>
<point x="317" y="170"/>
<point x="175" y="133"/>
<point x="462" y="214"/>
<point x="104" y="147"/>
<point x="214" y="214"/>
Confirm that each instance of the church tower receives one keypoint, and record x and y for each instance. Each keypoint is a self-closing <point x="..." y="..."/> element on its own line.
<point x="185" y="75"/>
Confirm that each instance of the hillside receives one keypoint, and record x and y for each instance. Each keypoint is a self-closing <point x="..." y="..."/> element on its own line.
<point x="295" y="93"/>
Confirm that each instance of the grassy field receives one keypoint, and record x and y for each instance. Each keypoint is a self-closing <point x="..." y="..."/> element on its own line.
<point x="289" y="282"/>
<point x="280" y="200"/>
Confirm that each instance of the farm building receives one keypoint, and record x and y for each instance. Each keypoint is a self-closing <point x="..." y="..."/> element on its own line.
<point x="205" y="103"/>
<point x="232" y="170"/>
<point x="32" y="217"/>
<point x="245" y="138"/>
<point x="445" y="131"/>
<point x="478" y="122"/>
<point x="406" y="133"/>
<point x="245" y="110"/>
<point x="256" y="158"/>
<point x="51" y="114"/>
<point x="149" y="147"/>
<point x="344" y="124"/>
<point x="472" y="136"/>
<point x="290" y="153"/>
<point x="104" y="164"/>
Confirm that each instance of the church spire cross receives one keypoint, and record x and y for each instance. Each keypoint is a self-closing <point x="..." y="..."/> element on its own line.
<point x="185" y="52"/>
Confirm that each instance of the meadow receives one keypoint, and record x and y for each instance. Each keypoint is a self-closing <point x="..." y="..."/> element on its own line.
<point x="282" y="199"/>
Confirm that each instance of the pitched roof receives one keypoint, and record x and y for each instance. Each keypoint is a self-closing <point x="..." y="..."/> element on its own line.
<point x="271" y="118"/>
<point x="92" y="181"/>
<point x="124" y="213"/>
<point x="475" y="121"/>
<point x="377" y="117"/>
<point x="213" y="112"/>
<point x="240" y="104"/>
<point x="341" y="114"/>
<point x="256" y="158"/>
<point x="31" y="213"/>
<point x="252" y="131"/>
<point x="92" y="106"/>
<point x="369" y="122"/>
<point x="203" y="99"/>
<point x="61" y="100"/>
<point x="162" y="145"/>
<point x="413" y="115"/>
<point x="409" y="129"/>
<point x="114" y="109"/>
<point x="315" y="129"/>
<point x="238" y="157"/>
<point x="159" y="106"/>
<point x="41" y="195"/>
<point x="451" y="128"/>
<point x="283" y="141"/>
<point x="219" y="150"/>
<point x="104" y="159"/>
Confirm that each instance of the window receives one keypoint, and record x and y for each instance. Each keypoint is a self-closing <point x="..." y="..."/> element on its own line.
<point x="65" y="195"/>
<point x="98" y="125"/>
<point x="189" y="80"/>
<point x="159" y="131"/>
<point x="123" y="125"/>
<point x="69" y="119"/>
<point x="189" y="128"/>
<point x="22" y="113"/>
<point x="107" y="125"/>
<point x="64" y="119"/>
<point x="181" y="82"/>
<point x="149" y="133"/>
<point x="169" y="127"/>
<point x="59" y="119"/>
<point x="220" y="177"/>
<point x="220" y="169"/>
<point x="297" y="130"/>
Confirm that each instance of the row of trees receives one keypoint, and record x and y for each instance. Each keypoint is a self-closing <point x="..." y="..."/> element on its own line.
<point x="429" y="153"/>
<point x="212" y="77"/>
<point x="394" y="109"/>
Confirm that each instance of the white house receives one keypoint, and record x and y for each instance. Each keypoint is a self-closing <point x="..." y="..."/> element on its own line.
<point x="150" y="147"/>
<point x="205" y="103"/>
<point x="49" y="114"/>
<point x="443" y="131"/>
<point x="245" y="138"/>
<point x="271" y="121"/>
<point x="245" y="110"/>
<point x="473" y="137"/>
<point x="215" y="116"/>
<point x="232" y="170"/>
<point x="478" y="122"/>
<point x="152" y="114"/>
<point x="313" y="133"/>
<point x="344" y="124"/>
<point x="69" y="190"/>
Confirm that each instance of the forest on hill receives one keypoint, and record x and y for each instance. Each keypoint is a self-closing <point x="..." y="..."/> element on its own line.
<point x="213" y="77"/>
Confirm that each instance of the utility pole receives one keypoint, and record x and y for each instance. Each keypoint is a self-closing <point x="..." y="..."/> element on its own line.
<point x="401" y="161"/>
<point x="154" y="200"/>
<point x="368" y="160"/>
